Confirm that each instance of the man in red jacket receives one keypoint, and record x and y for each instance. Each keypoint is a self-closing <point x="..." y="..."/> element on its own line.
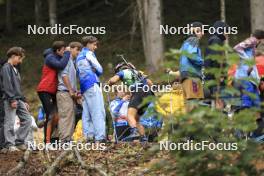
<point x="56" y="59"/>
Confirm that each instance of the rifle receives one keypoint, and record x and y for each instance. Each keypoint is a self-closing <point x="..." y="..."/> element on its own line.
<point x="132" y="69"/>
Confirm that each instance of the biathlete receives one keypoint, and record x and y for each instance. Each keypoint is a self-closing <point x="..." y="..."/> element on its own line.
<point x="140" y="87"/>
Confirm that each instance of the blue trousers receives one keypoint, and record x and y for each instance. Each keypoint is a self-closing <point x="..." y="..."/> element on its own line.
<point x="250" y="95"/>
<point x="93" y="116"/>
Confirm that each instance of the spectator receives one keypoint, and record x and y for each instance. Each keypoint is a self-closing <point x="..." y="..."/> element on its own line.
<point x="246" y="50"/>
<point x="14" y="101"/>
<point x="191" y="64"/>
<point x="260" y="121"/>
<point x="118" y="109"/>
<point x="89" y="70"/>
<point x="56" y="59"/>
<point x="67" y="95"/>
<point x="218" y="38"/>
<point x="2" y="111"/>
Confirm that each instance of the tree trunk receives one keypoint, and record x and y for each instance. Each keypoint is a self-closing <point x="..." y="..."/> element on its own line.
<point x="245" y="21"/>
<point x="223" y="17"/>
<point x="52" y="12"/>
<point x="150" y="21"/>
<point x="257" y="13"/>
<point x="222" y="9"/>
<point x="38" y="17"/>
<point x="9" y="26"/>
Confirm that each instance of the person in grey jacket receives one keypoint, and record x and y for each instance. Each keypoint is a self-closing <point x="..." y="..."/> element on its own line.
<point x="14" y="101"/>
<point x="2" y="111"/>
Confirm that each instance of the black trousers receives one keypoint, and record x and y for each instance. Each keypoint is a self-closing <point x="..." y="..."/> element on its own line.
<point x="50" y="107"/>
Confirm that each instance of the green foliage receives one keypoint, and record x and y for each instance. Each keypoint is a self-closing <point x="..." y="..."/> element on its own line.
<point x="206" y="124"/>
<point x="214" y="126"/>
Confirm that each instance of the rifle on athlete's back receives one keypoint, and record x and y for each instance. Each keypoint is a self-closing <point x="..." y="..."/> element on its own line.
<point x="139" y="75"/>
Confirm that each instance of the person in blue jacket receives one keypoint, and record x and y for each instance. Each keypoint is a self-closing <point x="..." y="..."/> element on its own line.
<point x="89" y="70"/>
<point x="118" y="109"/>
<point x="55" y="59"/>
<point x="247" y="75"/>
<point x="191" y="63"/>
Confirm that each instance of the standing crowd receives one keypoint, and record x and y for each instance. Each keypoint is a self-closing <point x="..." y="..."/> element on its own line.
<point x="65" y="65"/>
<point x="245" y="76"/>
<point x="59" y="94"/>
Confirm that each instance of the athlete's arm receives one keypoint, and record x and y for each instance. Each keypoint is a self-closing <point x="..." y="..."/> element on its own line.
<point x="113" y="80"/>
<point x="149" y="82"/>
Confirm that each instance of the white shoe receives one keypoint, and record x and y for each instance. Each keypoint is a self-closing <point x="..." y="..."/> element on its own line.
<point x="13" y="149"/>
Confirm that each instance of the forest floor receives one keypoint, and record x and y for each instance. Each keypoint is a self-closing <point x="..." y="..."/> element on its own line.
<point x="117" y="159"/>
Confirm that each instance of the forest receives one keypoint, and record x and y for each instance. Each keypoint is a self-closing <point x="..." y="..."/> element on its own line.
<point x="214" y="100"/>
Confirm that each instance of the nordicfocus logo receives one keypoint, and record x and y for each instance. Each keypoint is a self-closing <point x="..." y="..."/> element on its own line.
<point x="67" y="146"/>
<point x="65" y="30"/>
<point x="186" y="30"/>
<point x="203" y="145"/>
<point x="134" y="88"/>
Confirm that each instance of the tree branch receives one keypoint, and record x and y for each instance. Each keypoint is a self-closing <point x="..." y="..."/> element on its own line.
<point x="21" y="164"/>
<point x="51" y="171"/>
<point x="86" y="167"/>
